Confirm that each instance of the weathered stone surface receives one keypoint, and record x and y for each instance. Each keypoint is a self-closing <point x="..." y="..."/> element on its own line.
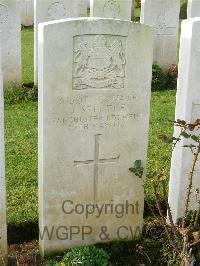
<point x="163" y="16"/>
<point x="27" y="14"/>
<point x="10" y="25"/>
<point x="193" y="9"/>
<point x="3" y="227"/>
<point x="49" y="10"/>
<point x="188" y="109"/>
<point x="111" y="9"/>
<point x="94" y="95"/>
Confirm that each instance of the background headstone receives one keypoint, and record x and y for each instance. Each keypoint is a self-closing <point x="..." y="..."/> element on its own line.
<point x="94" y="97"/>
<point x="10" y="26"/>
<point x="49" y="10"/>
<point x="163" y="16"/>
<point x="3" y="227"/>
<point x="188" y="109"/>
<point x="121" y="9"/>
<point x="193" y="9"/>
<point x="27" y="15"/>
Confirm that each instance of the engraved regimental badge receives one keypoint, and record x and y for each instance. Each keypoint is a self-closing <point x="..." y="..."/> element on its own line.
<point x="3" y="14"/>
<point x="112" y="7"/>
<point x="57" y="11"/>
<point x="99" y="62"/>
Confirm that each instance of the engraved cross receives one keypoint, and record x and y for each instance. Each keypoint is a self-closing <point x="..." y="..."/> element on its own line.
<point x="96" y="163"/>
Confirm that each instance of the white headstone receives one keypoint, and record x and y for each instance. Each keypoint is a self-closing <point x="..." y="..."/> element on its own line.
<point x="10" y="25"/>
<point x="49" y="10"/>
<point x="3" y="227"/>
<point x="188" y="109"/>
<point x="163" y="16"/>
<point x="193" y="9"/>
<point x="27" y="15"/>
<point x="111" y="9"/>
<point x="94" y="95"/>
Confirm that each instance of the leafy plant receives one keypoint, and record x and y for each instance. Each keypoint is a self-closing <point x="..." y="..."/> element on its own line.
<point x="87" y="256"/>
<point x="137" y="3"/>
<point x="137" y="168"/>
<point x="181" y="240"/>
<point x="183" y="10"/>
<point x="52" y="262"/>
<point x="15" y="94"/>
<point x="159" y="79"/>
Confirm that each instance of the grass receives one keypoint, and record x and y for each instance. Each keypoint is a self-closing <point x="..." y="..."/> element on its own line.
<point x="162" y="112"/>
<point x="21" y="143"/>
<point x="27" y="55"/>
<point x="21" y="162"/>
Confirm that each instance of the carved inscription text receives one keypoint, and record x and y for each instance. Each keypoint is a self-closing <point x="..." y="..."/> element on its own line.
<point x="89" y="112"/>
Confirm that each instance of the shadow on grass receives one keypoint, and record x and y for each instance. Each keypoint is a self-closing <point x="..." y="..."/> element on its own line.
<point x="19" y="233"/>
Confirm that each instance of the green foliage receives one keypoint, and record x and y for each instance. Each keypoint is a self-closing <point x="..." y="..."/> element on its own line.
<point x="52" y="262"/>
<point x="164" y="81"/>
<point x="159" y="79"/>
<point x="183" y="10"/>
<point x="137" y="3"/>
<point x="87" y="256"/>
<point x="166" y="139"/>
<point x="15" y="94"/>
<point x="137" y="168"/>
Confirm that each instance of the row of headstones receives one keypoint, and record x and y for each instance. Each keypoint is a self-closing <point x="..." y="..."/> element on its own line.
<point x="10" y="26"/>
<point x="27" y="13"/>
<point x="162" y="15"/>
<point x="94" y="91"/>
